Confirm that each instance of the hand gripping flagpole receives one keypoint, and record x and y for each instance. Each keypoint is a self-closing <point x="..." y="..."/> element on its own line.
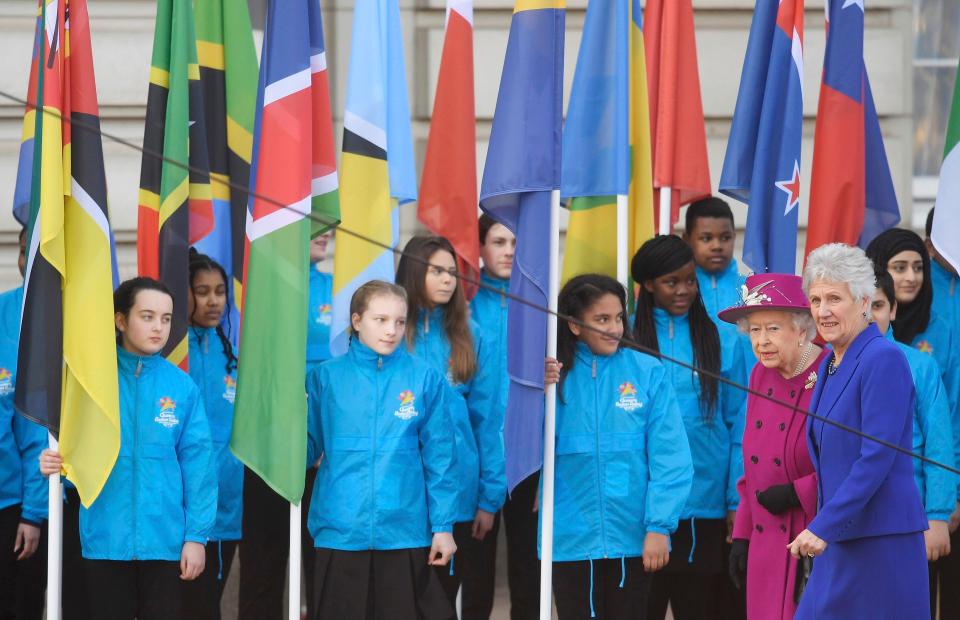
<point x="623" y="223"/>
<point x="54" y="543"/>
<point x="666" y="195"/>
<point x="295" y="553"/>
<point x="549" y="418"/>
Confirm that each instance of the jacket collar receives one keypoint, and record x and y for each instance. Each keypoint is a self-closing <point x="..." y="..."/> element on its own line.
<point x="732" y="271"/>
<point x="128" y="363"/>
<point x="939" y="274"/>
<point x="662" y="317"/>
<point x="844" y="372"/>
<point x="367" y="358"/>
<point x="201" y="334"/>
<point x="583" y="353"/>
<point x="498" y="283"/>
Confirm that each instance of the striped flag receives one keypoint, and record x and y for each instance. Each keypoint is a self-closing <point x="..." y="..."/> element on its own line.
<point x="293" y="171"/>
<point x="448" y="191"/>
<point x="522" y="168"/>
<point x="176" y="207"/>
<point x="228" y="79"/>
<point x="67" y="362"/>
<point x="946" y="218"/>
<point x="606" y="140"/>
<point x="377" y="161"/>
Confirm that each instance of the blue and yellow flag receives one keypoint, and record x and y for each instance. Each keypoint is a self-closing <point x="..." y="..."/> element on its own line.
<point x="522" y="169"/>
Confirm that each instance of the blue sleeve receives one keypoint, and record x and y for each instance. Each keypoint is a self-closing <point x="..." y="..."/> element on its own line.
<point x="314" y="419"/>
<point x="951" y="383"/>
<point x="436" y="449"/>
<point x="198" y="469"/>
<point x="734" y="404"/>
<point x="934" y="412"/>
<point x="668" y="457"/>
<point x="886" y="407"/>
<point x="31" y="439"/>
<point x="482" y="403"/>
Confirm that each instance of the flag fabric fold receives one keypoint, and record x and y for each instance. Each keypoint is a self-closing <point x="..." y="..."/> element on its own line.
<point x="448" y="190"/>
<point x="852" y="198"/>
<point x="292" y="116"/>
<point x="377" y="171"/>
<point x="67" y="363"/>
<point x="176" y="205"/>
<point x="762" y="163"/>
<point x="946" y="219"/>
<point x="521" y="171"/>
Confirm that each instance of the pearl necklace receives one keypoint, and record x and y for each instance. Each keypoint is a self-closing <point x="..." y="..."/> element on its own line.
<point x="804" y="359"/>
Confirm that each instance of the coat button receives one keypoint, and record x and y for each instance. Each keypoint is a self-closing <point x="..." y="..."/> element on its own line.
<point x="783" y="426"/>
<point x="793" y="393"/>
<point x="759" y="423"/>
<point x="754" y="460"/>
<point x="783" y="528"/>
<point x="776" y="461"/>
<point x="770" y="392"/>
<point x="760" y="528"/>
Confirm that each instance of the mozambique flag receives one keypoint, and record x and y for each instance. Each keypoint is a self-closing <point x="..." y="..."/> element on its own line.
<point x="294" y="177"/>
<point x="606" y="140"/>
<point x="67" y="363"/>
<point x="176" y="207"/>
<point x="377" y="161"/>
<point x="228" y="79"/>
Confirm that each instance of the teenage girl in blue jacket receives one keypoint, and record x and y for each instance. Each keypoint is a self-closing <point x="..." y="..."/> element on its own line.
<point x="146" y="530"/>
<point x="441" y="333"/>
<point x="623" y="467"/>
<point x="384" y="496"/>
<point x="671" y="319"/>
<point x="213" y="367"/>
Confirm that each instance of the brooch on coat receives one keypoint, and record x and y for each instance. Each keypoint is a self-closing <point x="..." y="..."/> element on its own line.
<point x="811" y="380"/>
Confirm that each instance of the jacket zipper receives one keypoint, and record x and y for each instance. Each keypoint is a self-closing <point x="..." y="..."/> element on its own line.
<point x="373" y="455"/>
<point x="136" y="448"/>
<point x="600" y="487"/>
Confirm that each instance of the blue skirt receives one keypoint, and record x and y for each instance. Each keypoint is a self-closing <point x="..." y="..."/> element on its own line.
<point x="883" y="577"/>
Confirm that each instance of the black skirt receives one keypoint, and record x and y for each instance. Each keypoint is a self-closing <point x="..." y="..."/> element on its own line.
<point x="701" y="551"/>
<point x="378" y="585"/>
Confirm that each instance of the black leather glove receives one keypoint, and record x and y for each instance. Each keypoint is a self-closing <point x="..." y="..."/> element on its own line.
<point x="738" y="562"/>
<point x="778" y="498"/>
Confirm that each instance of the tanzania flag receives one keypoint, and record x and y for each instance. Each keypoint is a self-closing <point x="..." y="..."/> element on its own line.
<point x="606" y="140"/>
<point x="293" y="169"/>
<point x="175" y="205"/>
<point x="67" y="377"/>
<point x="377" y="160"/>
<point x="946" y="218"/>
<point x="228" y="79"/>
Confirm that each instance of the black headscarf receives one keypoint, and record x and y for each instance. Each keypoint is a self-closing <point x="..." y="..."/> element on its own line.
<point x="912" y="318"/>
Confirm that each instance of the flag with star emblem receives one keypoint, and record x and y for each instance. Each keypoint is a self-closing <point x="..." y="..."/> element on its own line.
<point x="852" y="199"/>
<point x="762" y="164"/>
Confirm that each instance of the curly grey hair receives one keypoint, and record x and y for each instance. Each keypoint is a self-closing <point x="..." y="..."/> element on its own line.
<point x="842" y="263"/>
<point x="802" y="321"/>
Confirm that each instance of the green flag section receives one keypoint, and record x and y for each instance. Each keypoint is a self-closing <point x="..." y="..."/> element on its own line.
<point x="946" y="219"/>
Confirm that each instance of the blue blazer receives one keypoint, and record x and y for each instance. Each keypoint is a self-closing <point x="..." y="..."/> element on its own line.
<point x="865" y="489"/>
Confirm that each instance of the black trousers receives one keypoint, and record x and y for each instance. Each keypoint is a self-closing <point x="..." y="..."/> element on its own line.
<point x="145" y="590"/>
<point x="22" y="582"/>
<point x="479" y="561"/>
<point x="948" y="570"/>
<point x="523" y="568"/>
<point x="610" y="589"/>
<point x="264" y="549"/>
<point x="201" y="597"/>
<point x="74" y="595"/>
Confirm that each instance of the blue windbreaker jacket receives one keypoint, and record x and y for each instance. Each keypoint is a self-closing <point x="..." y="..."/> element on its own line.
<point x="721" y="291"/>
<point x="321" y="315"/>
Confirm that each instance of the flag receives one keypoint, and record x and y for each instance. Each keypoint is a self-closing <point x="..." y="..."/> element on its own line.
<point x="522" y="168"/>
<point x="292" y="145"/>
<point x="377" y="160"/>
<point x="228" y="79"/>
<point x="762" y="164"/>
<point x="852" y="199"/>
<point x="67" y="362"/>
<point x="176" y="207"/>
<point x="679" y="140"/>
<point x="946" y="218"/>
<point x="448" y="191"/>
<point x="606" y="140"/>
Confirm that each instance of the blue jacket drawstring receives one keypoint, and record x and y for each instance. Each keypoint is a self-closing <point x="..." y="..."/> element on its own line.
<point x="593" y="612"/>
<point x="452" y="558"/>
<point x="693" y="539"/>
<point x="219" y="560"/>
<point x="623" y="571"/>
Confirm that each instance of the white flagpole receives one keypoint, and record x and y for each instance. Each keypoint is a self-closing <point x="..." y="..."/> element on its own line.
<point x="295" y="559"/>
<point x="54" y="543"/>
<point x="549" y="419"/>
<point x="623" y="223"/>
<point x="666" y="194"/>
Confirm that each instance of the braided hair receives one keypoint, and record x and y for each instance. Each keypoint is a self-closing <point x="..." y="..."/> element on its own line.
<point x="201" y="262"/>
<point x="655" y="258"/>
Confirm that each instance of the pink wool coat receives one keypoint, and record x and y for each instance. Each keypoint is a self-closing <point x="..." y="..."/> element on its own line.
<point x="775" y="452"/>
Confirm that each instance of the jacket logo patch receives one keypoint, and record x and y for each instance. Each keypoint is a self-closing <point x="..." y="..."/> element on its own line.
<point x="407" y="409"/>
<point x="628" y="397"/>
<point x="925" y="347"/>
<point x="6" y="383"/>
<point x="167" y="417"/>
<point x="324" y="314"/>
<point x="229" y="389"/>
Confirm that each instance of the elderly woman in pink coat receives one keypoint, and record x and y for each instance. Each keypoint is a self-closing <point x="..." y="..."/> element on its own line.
<point x="778" y="491"/>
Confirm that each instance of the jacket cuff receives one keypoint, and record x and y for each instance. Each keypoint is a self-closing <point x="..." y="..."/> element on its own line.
<point x="489" y="507"/>
<point x="656" y="529"/>
<point x="28" y="521"/>
<point x="935" y="515"/>
<point x="442" y="529"/>
<point x="195" y="539"/>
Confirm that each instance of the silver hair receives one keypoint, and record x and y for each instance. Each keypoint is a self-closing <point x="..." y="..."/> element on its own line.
<point x="802" y="321"/>
<point x="841" y="263"/>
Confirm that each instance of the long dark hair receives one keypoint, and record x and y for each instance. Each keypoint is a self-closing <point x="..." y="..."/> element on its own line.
<point x="575" y="299"/>
<point x="657" y="257"/>
<point x="201" y="262"/>
<point x="912" y="318"/>
<point x="412" y="275"/>
<point x="126" y="296"/>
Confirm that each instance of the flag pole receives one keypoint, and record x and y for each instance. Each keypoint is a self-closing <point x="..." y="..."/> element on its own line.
<point x="549" y="419"/>
<point x="666" y="195"/>
<point x="295" y="553"/>
<point x="623" y="222"/>
<point x="54" y="542"/>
